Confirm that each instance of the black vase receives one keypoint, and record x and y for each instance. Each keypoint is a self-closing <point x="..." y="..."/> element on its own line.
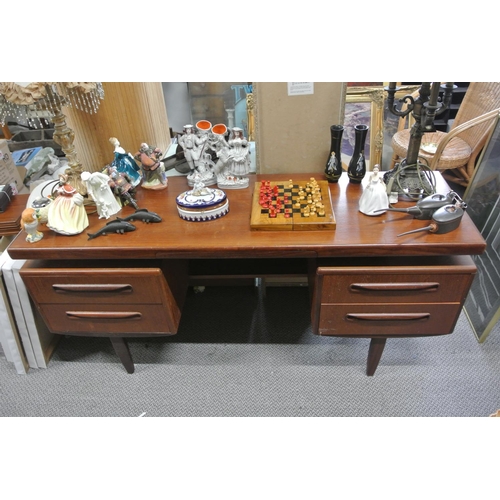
<point x="333" y="167"/>
<point x="357" y="166"/>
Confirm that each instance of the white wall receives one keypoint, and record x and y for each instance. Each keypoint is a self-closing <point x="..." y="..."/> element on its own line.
<point x="178" y="105"/>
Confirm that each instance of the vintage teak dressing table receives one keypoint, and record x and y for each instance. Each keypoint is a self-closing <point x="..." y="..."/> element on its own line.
<point x="364" y="280"/>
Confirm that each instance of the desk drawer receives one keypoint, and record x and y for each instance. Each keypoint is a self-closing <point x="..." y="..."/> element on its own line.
<point x="414" y="296"/>
<point x="152" y="296"/>
<point x="101" y="319"/>
<point x="95" y="285"/>
<point x="368" y="285"/>
<point x="388" y="320"/>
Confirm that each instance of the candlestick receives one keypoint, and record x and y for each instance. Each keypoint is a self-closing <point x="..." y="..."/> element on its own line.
<point x="434" y="94"/>
<point x="413" y="178"/>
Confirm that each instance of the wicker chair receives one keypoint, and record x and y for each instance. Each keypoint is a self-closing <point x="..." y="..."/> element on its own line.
<point x="458" y="149"/>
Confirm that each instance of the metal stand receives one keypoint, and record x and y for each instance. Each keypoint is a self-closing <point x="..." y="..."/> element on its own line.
<point x="411" y="177"/>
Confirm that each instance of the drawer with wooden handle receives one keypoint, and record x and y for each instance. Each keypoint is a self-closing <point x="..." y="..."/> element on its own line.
<point x="388" y="320"/>
<point x="105" y="319"/>
<point x="368" y="285"/>
<point x="81" y="286"/>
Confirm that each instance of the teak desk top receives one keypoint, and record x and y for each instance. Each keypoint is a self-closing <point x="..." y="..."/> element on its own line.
<point x="356" y="235"/>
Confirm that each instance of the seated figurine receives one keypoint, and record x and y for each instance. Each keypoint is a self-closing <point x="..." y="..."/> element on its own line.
<point x="125" y="163"/>
<point x="121" y="185"/>
<point x="153" y="170"/>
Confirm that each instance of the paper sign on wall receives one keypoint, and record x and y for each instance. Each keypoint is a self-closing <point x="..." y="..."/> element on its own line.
<point x="300" y="88"/>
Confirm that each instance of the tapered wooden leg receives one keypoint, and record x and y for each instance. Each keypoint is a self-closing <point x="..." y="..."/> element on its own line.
<point x="121" y="348"/>
<point x="374" y="354"/>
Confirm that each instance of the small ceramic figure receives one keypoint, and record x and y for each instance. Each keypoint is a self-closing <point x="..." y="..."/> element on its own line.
<point x="153" y="170"/>
<point x="205" y="171"/>
<point x="191" y="145"/>
<point x="239" y="155"/>
<point x="199" y="187"/>
<point x="121" y="185"/>
<point x="237" y="167"/>
<point x="99" y="189"/>
<point x="374" y="196"/>
<point x="29" y="222"/>
<point x="41" y="206"/>
<point x="66" y="214"/>
<point x="219" y="145"/>
<point x="124" y="162"/>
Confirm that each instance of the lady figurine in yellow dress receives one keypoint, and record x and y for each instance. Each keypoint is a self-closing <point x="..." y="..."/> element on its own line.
<point x="67" y="214"/>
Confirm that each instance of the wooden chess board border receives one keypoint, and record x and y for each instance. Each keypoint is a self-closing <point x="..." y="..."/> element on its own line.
<point x="260" y="221"/>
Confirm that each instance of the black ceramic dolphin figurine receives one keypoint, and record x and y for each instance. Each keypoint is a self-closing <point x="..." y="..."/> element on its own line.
<point x="114" y="226"/>
<point x="143" y="215"/>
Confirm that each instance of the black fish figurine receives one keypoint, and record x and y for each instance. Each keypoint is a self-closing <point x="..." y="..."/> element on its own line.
<point x="114" y="226"/>
<point x="143" y="215"/>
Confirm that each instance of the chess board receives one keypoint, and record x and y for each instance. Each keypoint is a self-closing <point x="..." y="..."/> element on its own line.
<point x="292" y="206"/>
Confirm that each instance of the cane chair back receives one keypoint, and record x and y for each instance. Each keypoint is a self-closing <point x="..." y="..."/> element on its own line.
<point x="458" y="149"/>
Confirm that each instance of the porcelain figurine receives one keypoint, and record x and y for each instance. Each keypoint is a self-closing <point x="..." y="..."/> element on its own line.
<point x="124" y="163"/>
<point x="67" y="214"/>
<point x="190" y="143"/>
<point x="374" y="196"/>
<point x="121" y="186"/>
<point x="217" y="143"/>
<point x="99" y="189"/>
<point x="41" y="206"/>
<point x="237" y="166"/>
<point x="29" y="222"/>
<point x="204" y="170"/>
<point x="153" y="170"/>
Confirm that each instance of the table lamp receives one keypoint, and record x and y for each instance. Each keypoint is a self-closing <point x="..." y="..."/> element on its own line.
<point x="32" y="101"/>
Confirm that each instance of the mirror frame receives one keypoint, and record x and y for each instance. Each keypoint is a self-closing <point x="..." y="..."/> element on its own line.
<point x="375" y="96"/>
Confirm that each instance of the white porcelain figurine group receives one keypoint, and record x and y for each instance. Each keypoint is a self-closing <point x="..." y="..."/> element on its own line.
<point x="212" y="159"/>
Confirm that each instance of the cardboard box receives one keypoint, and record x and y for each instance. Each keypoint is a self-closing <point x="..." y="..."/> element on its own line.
<point x="9" y="173"/>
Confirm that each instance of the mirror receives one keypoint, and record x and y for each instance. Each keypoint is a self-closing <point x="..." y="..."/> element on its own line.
<point x="482" y="305"/>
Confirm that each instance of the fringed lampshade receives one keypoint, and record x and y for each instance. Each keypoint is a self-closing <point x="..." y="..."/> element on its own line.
<point x="32" y="101"/>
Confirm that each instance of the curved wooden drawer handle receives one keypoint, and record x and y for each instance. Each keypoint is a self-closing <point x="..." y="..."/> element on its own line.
<point x="104" y="314"/>
<point x="387" y="316"/>
<point x="398" y="287"/>
<point x="120" y="288"/>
